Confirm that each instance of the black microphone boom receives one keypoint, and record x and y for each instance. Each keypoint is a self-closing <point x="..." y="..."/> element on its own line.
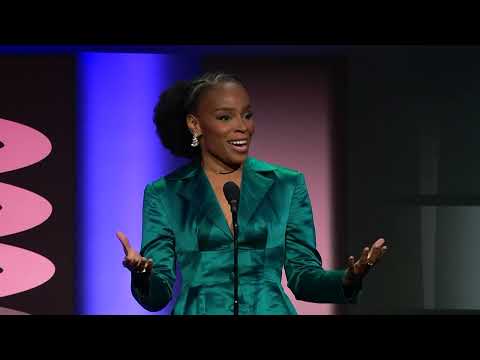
<point x="232" y="194"/>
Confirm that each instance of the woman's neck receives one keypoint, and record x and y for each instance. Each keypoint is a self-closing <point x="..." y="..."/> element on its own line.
<point x="215" y="166"/>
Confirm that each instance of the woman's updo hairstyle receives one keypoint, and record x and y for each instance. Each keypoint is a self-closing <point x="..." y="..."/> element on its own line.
<point x="176" y="103"/>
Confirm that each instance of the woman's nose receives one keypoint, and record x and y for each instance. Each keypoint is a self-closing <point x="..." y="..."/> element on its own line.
<point x="241" y="124"/>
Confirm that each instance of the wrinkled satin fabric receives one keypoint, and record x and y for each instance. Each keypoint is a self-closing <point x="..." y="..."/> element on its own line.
<point x="184" y="227"/>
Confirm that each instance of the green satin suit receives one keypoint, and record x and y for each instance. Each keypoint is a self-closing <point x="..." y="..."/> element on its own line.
<point x="184" y="226"/>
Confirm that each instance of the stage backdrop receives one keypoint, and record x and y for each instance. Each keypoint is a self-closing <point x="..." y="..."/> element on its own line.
<point x="77" y="142"/>
<point x="37" y="184"/>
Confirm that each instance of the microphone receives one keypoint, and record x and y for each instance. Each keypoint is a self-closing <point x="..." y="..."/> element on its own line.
<point x="232" y="194"/>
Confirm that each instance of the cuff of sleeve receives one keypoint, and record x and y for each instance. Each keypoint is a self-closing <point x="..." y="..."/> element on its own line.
<point x="352" y="292"/>
<point x="150" y="290"/>
<point x="141" y="283"/>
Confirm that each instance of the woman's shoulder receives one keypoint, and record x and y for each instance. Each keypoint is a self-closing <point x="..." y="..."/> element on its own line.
<point x="160" y="184"/>
<point x="261" y="165"/>
<point x="283" y="174"/>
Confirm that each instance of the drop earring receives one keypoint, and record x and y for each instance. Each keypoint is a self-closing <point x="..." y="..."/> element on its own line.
<point x="194" y="141"/>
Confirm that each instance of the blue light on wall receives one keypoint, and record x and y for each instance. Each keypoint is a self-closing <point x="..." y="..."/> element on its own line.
<point x="118" y="154"/>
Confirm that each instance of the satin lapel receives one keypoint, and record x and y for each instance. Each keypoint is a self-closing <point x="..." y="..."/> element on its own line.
<point x="255" y="186"/>
<point x="214" y="211"/>
<point x="198" y="191"/>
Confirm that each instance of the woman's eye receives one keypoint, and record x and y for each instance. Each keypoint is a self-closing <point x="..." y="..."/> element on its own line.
<point x="249" y="115"/>
<point x="224" y="117"/>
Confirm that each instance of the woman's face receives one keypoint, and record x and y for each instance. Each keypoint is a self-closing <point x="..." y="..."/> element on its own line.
<point x="225" y="121"/>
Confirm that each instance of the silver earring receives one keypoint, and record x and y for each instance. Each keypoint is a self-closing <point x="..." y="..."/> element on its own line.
<point x="194" y="141"/>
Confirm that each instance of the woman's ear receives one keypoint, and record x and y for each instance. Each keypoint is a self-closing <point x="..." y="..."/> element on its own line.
<point x="194" y="125"/>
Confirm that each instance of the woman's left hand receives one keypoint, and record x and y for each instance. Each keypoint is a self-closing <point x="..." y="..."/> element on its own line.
<point x="369" y="258"/>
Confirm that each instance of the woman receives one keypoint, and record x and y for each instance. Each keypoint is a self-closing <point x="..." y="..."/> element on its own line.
<point x="187" y="219"/>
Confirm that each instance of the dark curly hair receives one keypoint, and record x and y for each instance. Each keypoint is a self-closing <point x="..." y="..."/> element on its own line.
<point x="176" y="103"/>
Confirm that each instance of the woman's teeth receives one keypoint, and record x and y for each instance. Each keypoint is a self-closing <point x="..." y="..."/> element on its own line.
<point x="239" y="142"/>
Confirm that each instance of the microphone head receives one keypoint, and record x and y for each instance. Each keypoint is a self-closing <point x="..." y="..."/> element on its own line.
<point x="231" y="192"/>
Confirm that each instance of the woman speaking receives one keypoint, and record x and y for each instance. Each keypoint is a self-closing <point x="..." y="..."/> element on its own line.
<point x="231" y="241"/>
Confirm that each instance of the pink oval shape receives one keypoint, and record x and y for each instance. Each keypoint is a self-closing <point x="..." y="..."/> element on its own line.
<point x="7" y="311"/>
<point x="22" y="270"/>
<point x="22" y="145"/>
<point x="21" y="209"/>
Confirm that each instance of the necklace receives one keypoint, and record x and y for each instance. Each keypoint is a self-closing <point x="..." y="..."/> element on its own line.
<point x="216" y="172"/>
<point x="228" y="172"/>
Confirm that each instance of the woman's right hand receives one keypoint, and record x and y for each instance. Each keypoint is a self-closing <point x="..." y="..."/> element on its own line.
<point x="133" y="261"/>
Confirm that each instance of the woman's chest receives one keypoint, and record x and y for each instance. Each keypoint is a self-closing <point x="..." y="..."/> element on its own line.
<point x="202" y="221"/>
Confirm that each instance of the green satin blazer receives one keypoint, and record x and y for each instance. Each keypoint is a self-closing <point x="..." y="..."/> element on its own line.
<point x="183" y="225"/>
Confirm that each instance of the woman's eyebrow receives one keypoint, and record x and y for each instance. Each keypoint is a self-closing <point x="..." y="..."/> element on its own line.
<point x="231" y="109"/>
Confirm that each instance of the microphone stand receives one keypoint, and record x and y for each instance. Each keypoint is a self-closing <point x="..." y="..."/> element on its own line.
<point x="234" y="208"/>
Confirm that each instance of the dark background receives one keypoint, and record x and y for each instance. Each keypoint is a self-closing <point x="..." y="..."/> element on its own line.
<point x="413" y="175"/>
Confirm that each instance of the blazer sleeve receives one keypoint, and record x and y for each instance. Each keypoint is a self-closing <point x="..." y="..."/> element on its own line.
<point x="154" y="291"/>
<point x="303" y="264"/>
